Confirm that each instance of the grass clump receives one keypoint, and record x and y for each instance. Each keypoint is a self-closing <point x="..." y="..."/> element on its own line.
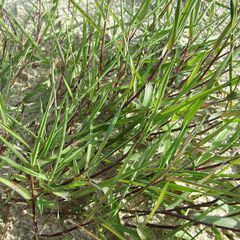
<point x="124" y="118"/>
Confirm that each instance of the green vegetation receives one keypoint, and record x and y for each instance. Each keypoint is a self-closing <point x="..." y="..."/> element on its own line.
<point x="131" y="123"/>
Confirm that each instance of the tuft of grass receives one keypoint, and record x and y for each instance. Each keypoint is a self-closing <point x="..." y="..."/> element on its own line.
<point x="118" y="116"/>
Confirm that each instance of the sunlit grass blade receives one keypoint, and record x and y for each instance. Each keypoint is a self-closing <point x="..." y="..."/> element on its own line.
<point x="17" y="188"/>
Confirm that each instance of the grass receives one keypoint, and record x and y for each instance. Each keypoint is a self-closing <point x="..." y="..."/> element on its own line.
<point x="133" y="114"/>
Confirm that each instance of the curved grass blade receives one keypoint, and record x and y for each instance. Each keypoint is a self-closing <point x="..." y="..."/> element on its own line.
<point x="17" y="188"/>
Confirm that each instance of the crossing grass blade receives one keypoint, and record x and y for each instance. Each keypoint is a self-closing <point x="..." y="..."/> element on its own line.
<point x="122" y="115"/>
<point x="41" y="132"/>
<point x="86" y="16"/>
<point x="157" y="203"/>
<point x="14" y="135"/>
